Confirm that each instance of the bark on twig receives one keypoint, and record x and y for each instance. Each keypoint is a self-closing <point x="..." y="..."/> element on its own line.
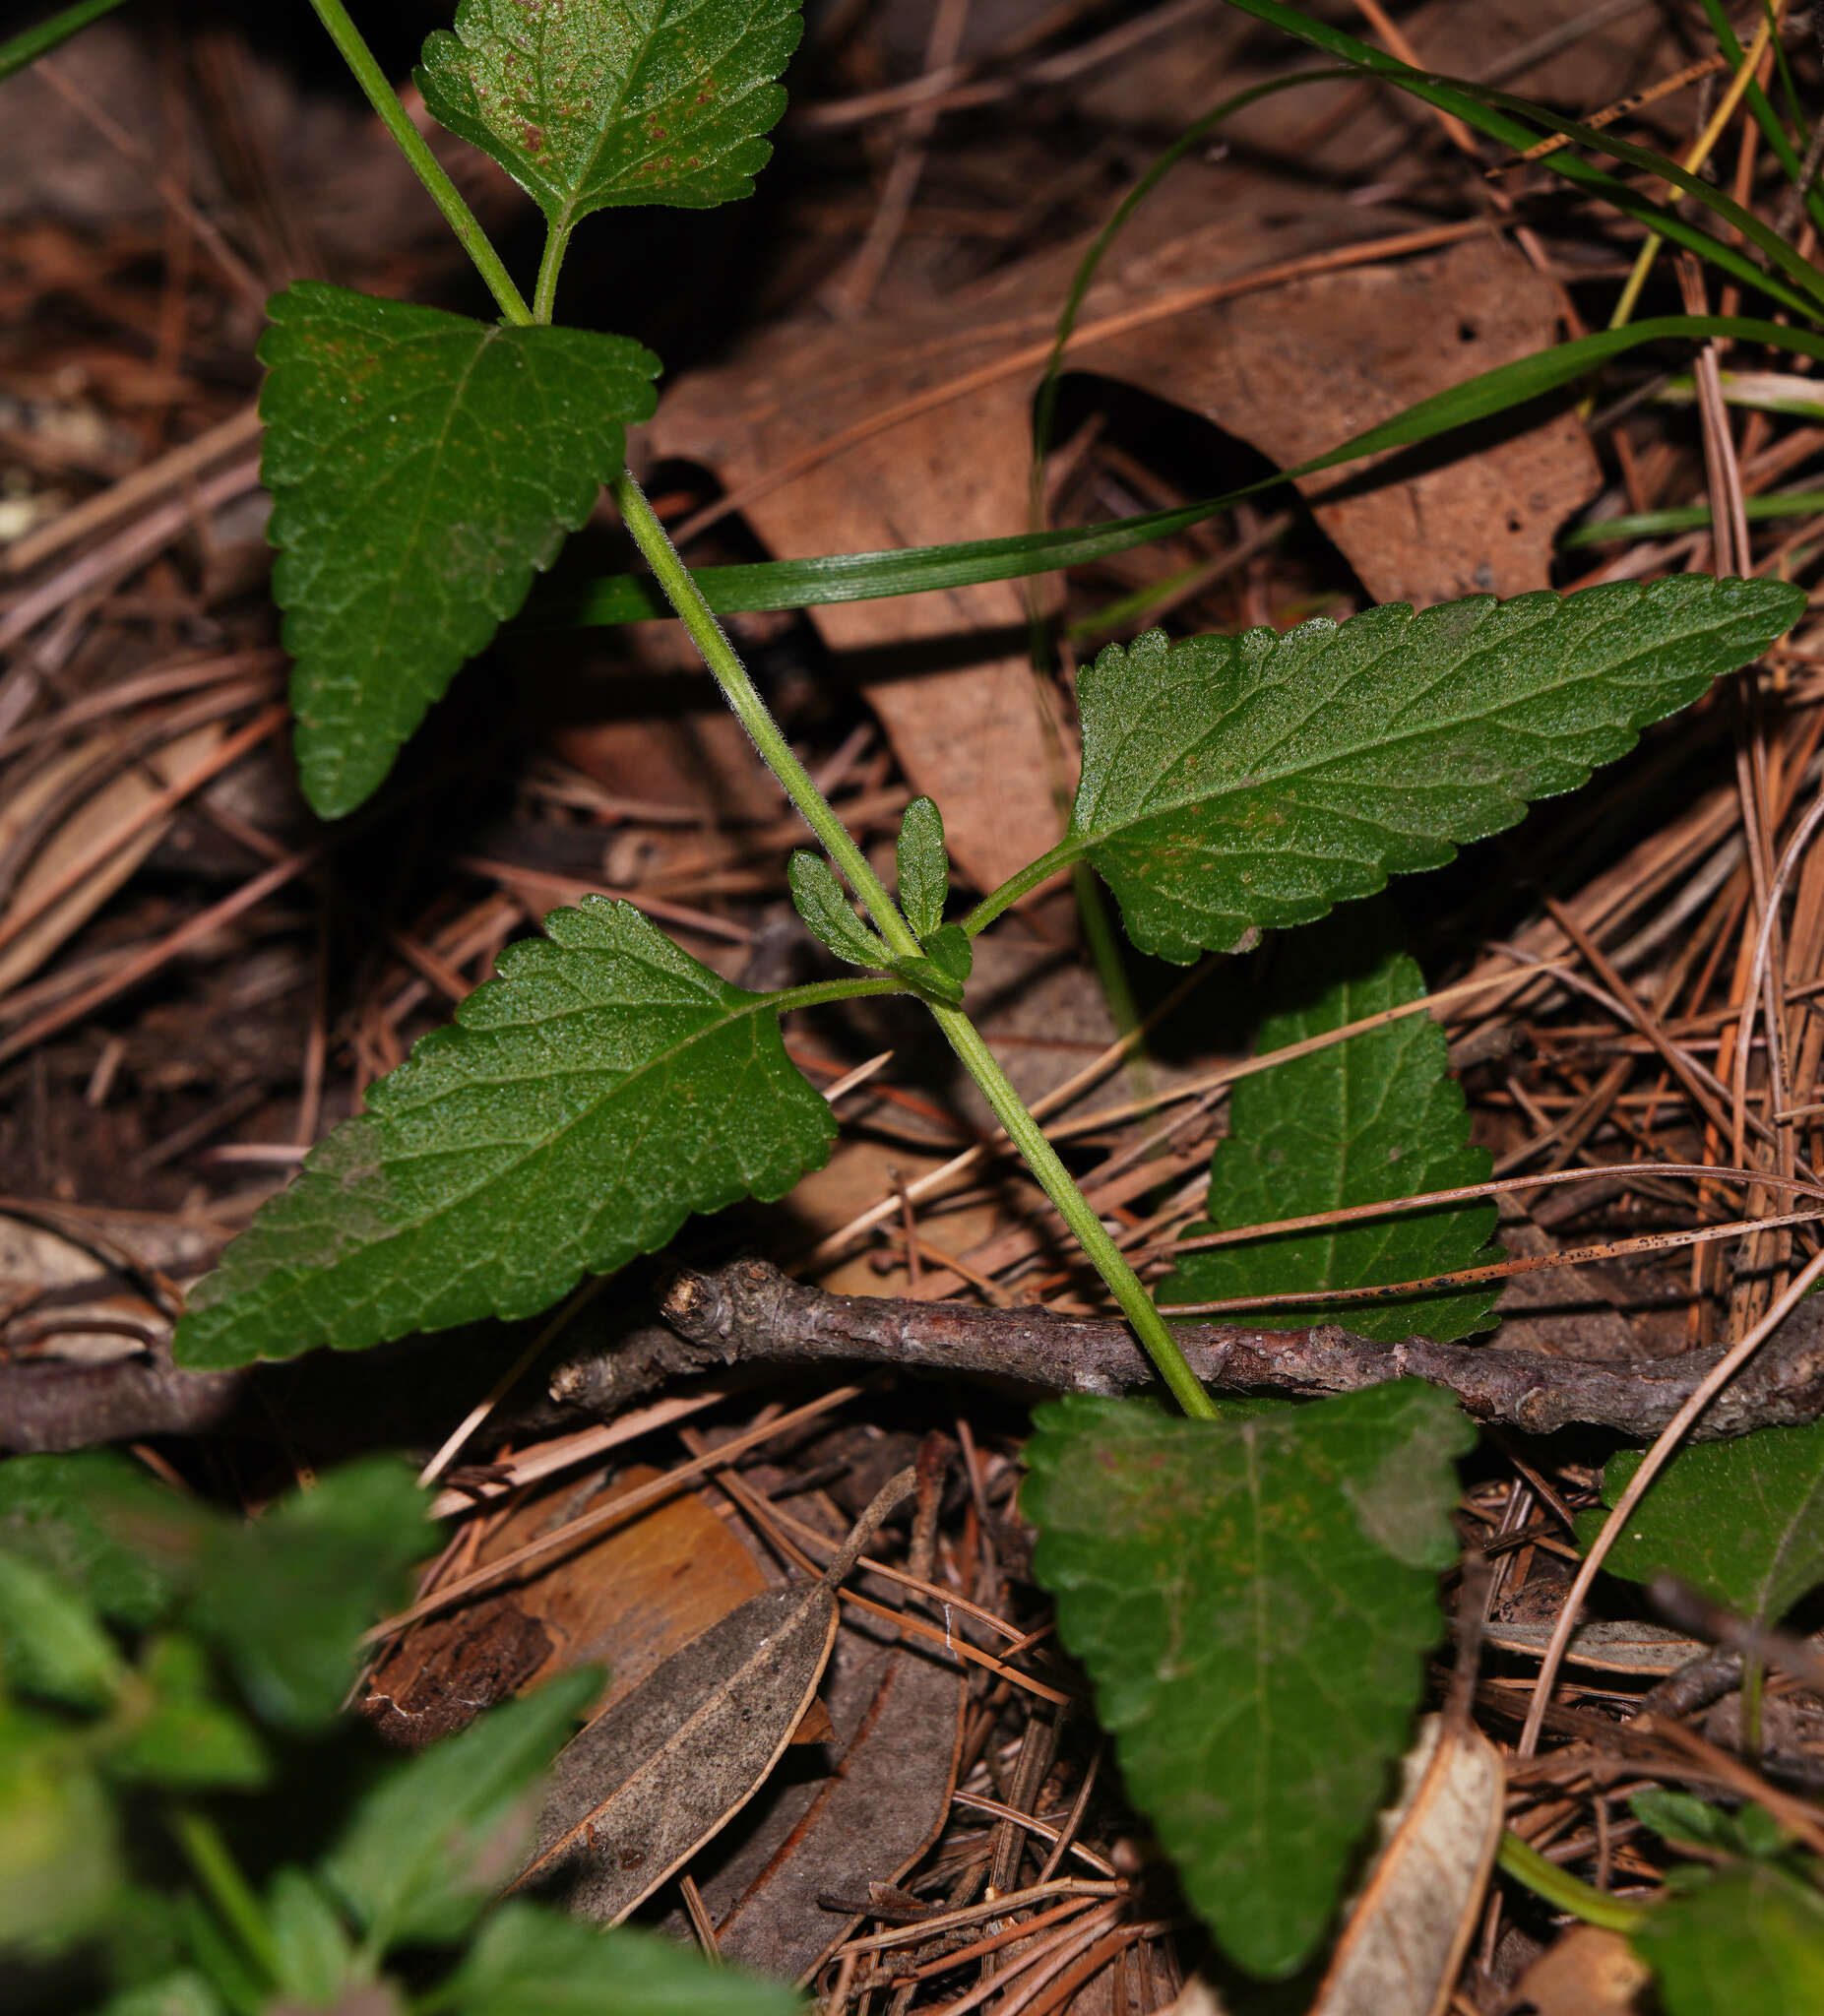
<point x="750" y="1313"/>
<point x="46" y="1407"/>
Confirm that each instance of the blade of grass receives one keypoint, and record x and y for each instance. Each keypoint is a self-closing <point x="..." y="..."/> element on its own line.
<point x="1501" y="115"/>
<point x="1653" y="525"/>
<point x="19" y="52"/>
<point x="920" y="570"/>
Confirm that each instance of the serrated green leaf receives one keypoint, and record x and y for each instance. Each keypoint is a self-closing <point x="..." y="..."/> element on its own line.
<point x="950" y="947"/>
<point x="423" y="467"/>
<point x="189" y="1740"/>
<point x="1233" y="782"/>
<point x="591" y="103"/>
<point x="820" y="900"/>
<point x="441" y="1832"/>
<point x="51" y="1643"/>
<point x="1748" y="1943"/>
<point x="924" y="864"/>
<point x="102" y="1528"/>
<point x="1741" y="1520"/>
<point x="313" y="1955"/>
<point x="1376" y="1118"/>
<point x="59" y="1854"/>
<point x="286" y="1596"/>
<point x="531" y="1961"/>
<point x="584" y="1104"/>
<point x="1252" y="1600"/>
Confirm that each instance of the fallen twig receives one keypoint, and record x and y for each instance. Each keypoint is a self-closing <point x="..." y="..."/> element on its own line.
<point x="750" y="1313"/>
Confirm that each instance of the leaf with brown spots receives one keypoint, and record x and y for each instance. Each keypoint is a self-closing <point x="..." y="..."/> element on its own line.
<point x="589" y="104"/>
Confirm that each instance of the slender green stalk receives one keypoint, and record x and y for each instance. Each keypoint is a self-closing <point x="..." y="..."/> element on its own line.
<point x="1524" y="1862"/>
<point x="21" y="51"/>
<point x="227" y="1889"/>
<point x="964" y="1038"/>
<point x="1025" y="1134"/>
<point x="1061" y="857"/>
<point x="411" y="144"/>
<point x="731" y="674"/>
<point x="819" y="993"/>
<point x="544" y="294"/>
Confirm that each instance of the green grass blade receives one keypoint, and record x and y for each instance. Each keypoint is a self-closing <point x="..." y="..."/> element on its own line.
<point x="921" y="570"/>
<point x="19" y="52"/>
<point x="1488" y="111"/>
<point x="1653" y="525"/>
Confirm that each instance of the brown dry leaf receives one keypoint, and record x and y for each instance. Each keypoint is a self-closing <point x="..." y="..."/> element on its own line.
<point x="961" y="708"/>
<point x="1410" y="1927"/>
<point x="644" y="1786"/>
<point x="627" y="1603"/>
<point x="898" y="1712"/>
<point x="1292" y="369"/>
<point x="1296" y="370"/>
<point x="1588" y="1972"/>
<point x="92" y="819"/>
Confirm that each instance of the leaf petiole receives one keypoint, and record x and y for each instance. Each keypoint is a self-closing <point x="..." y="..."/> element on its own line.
<point x="429" y="170"/>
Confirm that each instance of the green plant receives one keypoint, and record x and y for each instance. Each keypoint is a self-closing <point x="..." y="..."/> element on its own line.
<point x="426" y="466"/>
<point x="168" y="1675"/>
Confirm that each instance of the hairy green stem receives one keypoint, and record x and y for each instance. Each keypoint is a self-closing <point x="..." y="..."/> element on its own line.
<point x="1153" y="1332"/>
<point x="1025" y="1134"/>
<point x="731" y="674"/>
<point x="544" y="294"/>
<point x="1524" y="1862"/>
<point x="1068" y="851"/>
<point x="411" y="144"/>
<point x="226" y="1888"/>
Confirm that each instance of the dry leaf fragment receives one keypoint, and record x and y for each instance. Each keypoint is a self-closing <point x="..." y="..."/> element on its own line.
<point x="1588" y="1972"/>
<point x="642" y="1787"/>
<point x="898" y="1711"/>
<point x="1410" y="1926"/>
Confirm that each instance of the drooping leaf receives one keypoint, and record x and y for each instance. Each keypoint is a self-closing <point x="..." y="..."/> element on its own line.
<point x="424" y="467"/>
<point x="441" y="1832"/>
<point x="286" y="1596"/>
<point x="589" y="104"/>
<point x="531" y="1961"/>
<point x="51" y="1643"/>
<point x="190" y="1739"/>
<point x="95" y="1522"/>
<point x="314" y="1957"/>
<point x="59" y="1854"/>
<point x="1376" y="1118"/>
<point x="1231" y="782"/>
<point x="820" y="900"/>
<point x="924" y="864"/>
<point x="1252" y="1598"/>
<point x="602" y="1087"/>
<point x="1750" y="1942"/>
<point x="1741" y="1520"/>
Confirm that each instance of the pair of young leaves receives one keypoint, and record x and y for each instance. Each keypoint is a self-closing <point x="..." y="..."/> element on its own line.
<point x="151" y="1650"/>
